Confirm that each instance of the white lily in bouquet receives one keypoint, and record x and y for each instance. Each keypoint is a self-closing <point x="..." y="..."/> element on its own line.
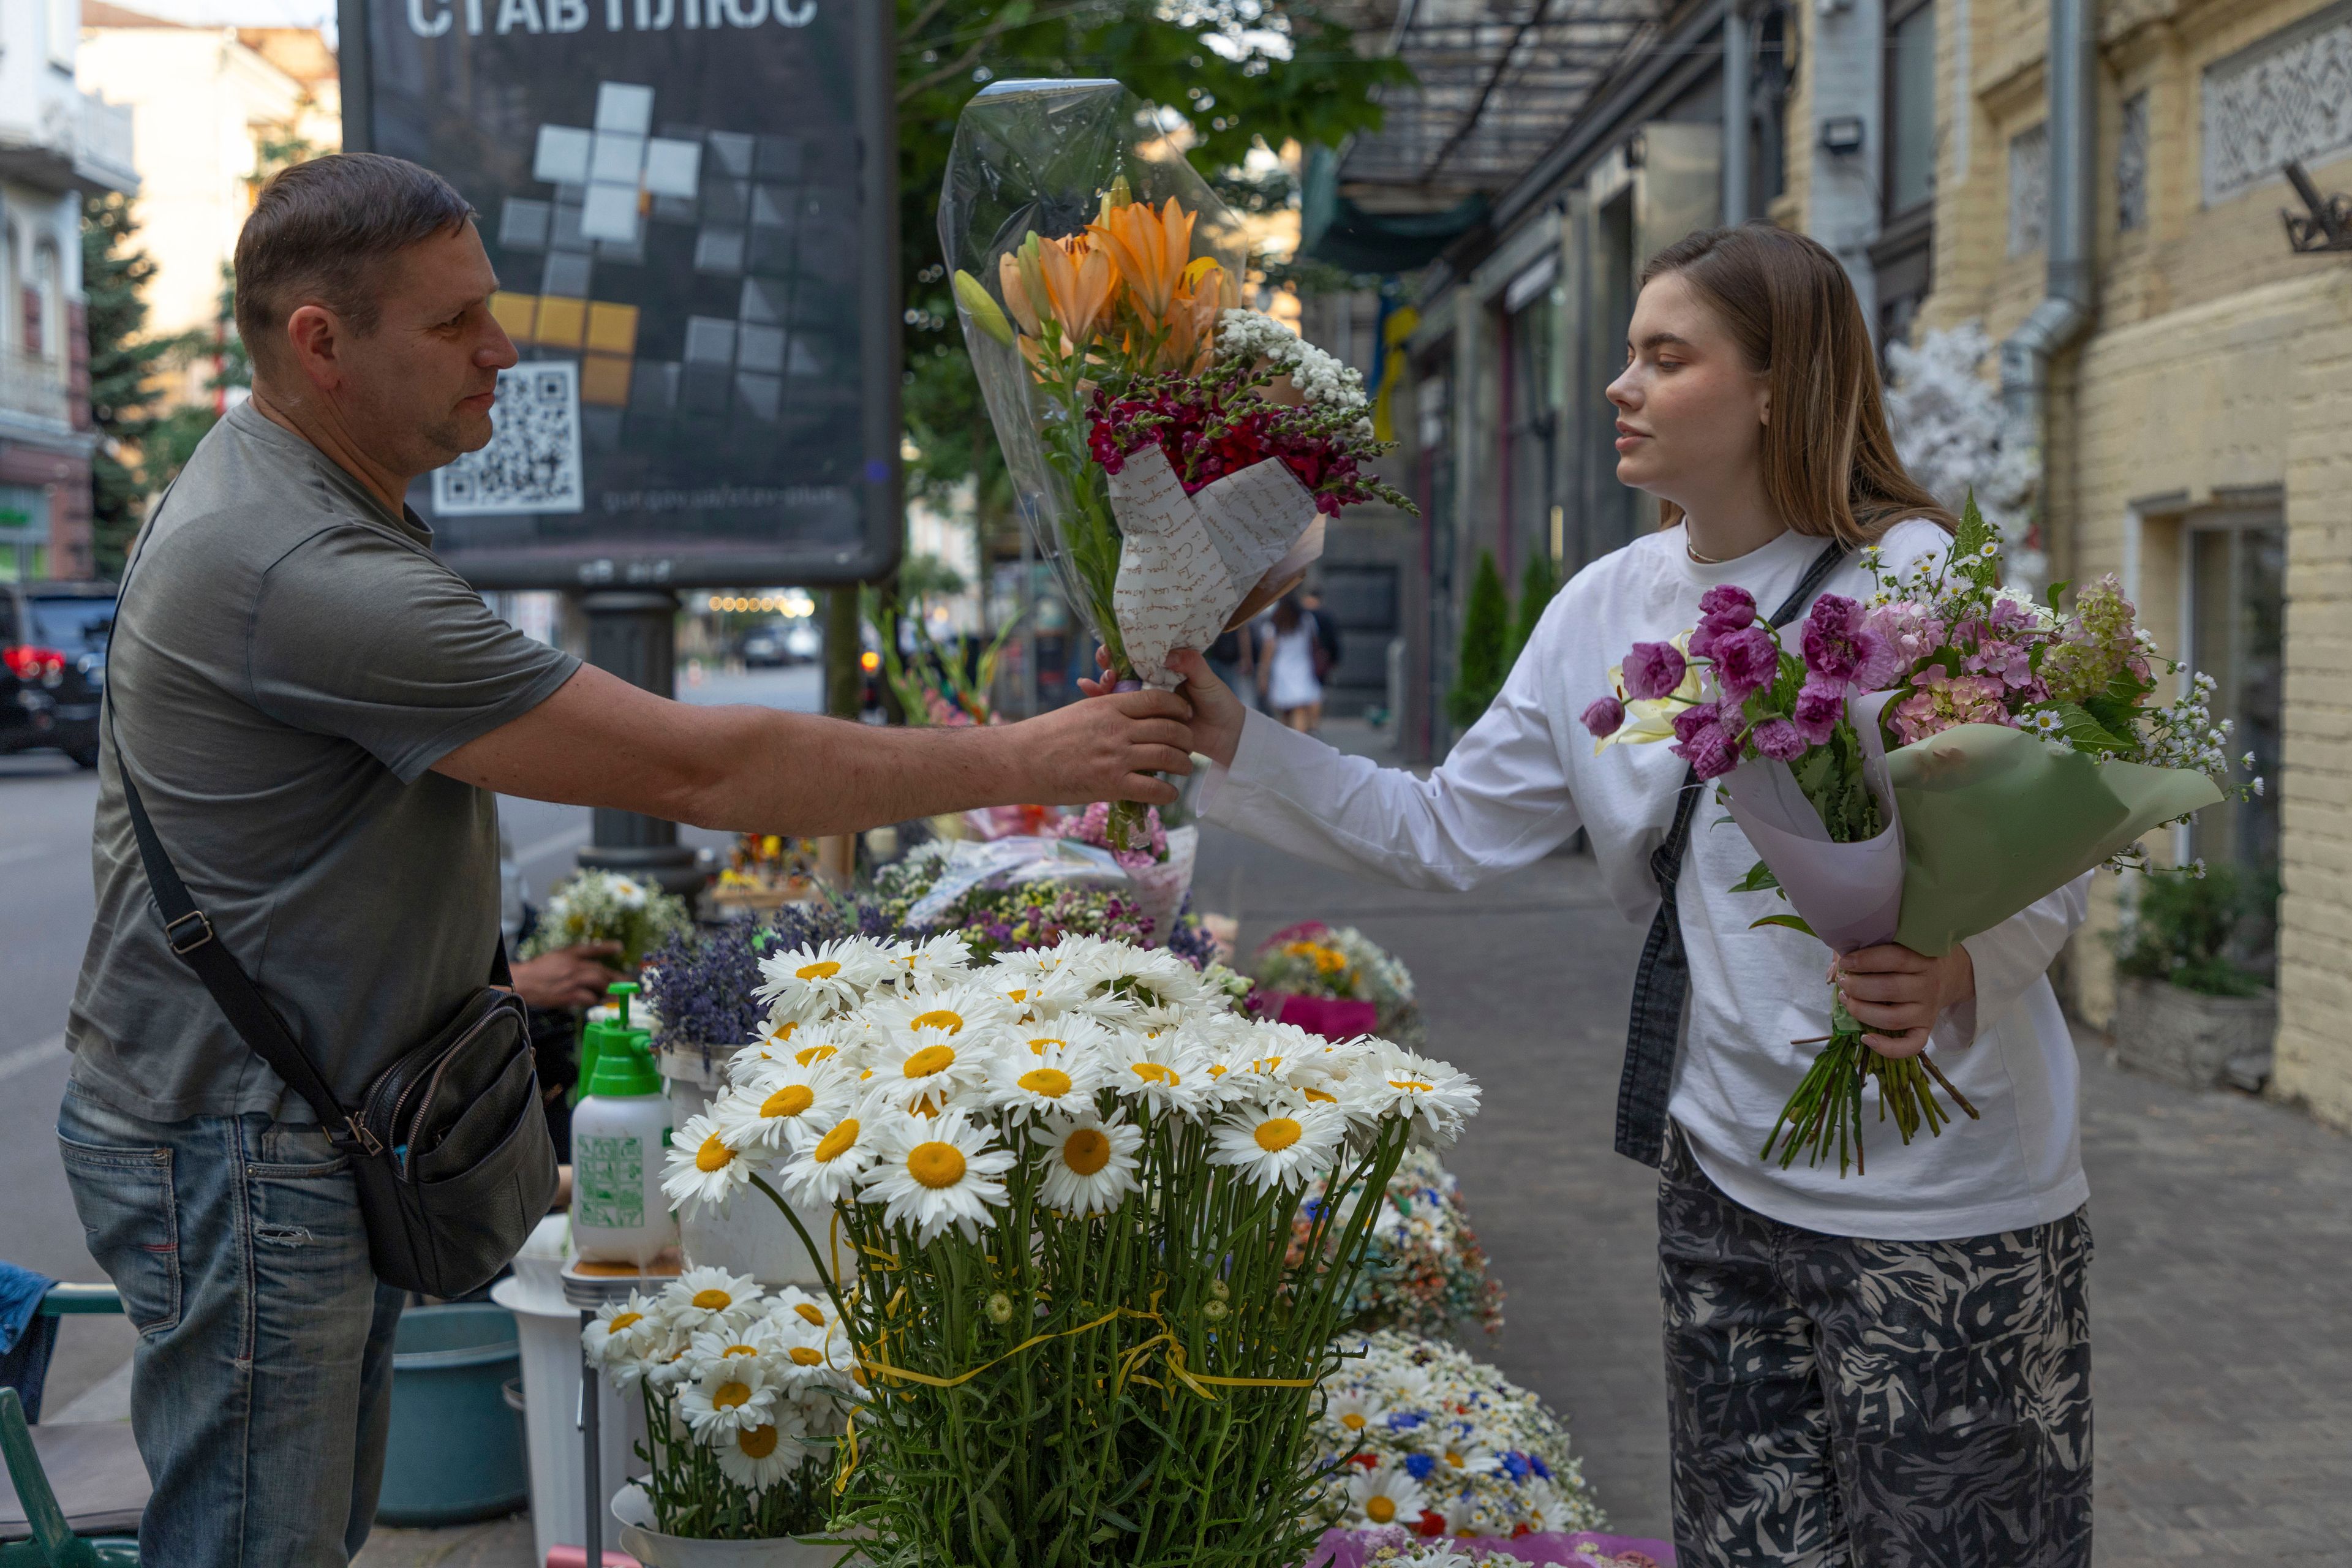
<point x="1060" y="1252"/>
<point x="1175" y="456"/>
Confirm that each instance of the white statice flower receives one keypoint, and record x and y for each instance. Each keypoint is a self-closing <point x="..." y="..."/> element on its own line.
<point x="825" y="1164"/>
<point x="937" y="1173"/>
<point x="813" y="983"/>
<point x="758" y="1457"/>
<point x="1090" y="1164"/>
<point x="1387" y="1495"/>
<point x="1323" y="380"/>
<point x="758" y="1114"/>
<point x="701" y="1298"/>
<point x="1279" y="1143"/>
<point x="702" y="1169"/>
<point x="1027" y="1076"/>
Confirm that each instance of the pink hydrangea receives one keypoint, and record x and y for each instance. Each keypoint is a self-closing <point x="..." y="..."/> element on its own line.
<point x="1942" y="701"/>
<point x="1912" y="630"/>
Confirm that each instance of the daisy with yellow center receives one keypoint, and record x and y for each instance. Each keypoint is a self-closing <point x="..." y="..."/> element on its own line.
<point x="826" y="1161"/>
<point x="731" y="1395"/>
<point x="938" y="1172"/>
<point x="707" y="1297"/>
<point x="1383" y="1497"/>
<point x="756" y="1457"/>
<point x="812" y="982"/>
<point x="934" y="960"/>
<point x="729" y="1341"/>
<point x="1167" y="1070"/>
<point x="1283" y="1143"/>
<point x="701" y="1169"/>
<point x="1430" y="1094"/>
<point x="1090" y="1164"/>
<point x="758" y="1115"/>
<point x="622" y="1332"/>
<point x="1042" y="1074"/>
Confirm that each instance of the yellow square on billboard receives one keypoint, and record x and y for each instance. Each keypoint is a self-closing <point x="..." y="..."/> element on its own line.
<point x="514" y="312"/>
<point x="604" y="379"/>
<point x="612" y="329"/>
<point x="561" y="321"/>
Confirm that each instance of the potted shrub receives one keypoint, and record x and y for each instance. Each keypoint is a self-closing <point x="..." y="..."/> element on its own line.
<point x="2187" y="1004"/>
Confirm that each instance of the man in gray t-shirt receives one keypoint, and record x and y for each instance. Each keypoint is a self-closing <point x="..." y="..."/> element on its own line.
<point x="317" y="712"/>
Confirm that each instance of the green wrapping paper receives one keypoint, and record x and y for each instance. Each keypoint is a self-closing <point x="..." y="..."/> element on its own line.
<point x="1994" y="818"/>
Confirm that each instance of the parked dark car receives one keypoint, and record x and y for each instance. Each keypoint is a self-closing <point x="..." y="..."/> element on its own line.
<point x="53" y="640"/>
<point x="763" y="648"/>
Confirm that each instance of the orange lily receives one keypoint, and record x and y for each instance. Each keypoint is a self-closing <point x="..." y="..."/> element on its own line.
<point x="1150" y="249"/>
<point x="1066" y="281"/>
<point x="1193" y="316"/>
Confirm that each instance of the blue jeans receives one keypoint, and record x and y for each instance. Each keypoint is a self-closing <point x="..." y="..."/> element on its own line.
<point x="260" y="1387"/>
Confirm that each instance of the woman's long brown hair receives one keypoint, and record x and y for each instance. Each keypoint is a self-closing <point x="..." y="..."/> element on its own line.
<point x="1829" y="467"/>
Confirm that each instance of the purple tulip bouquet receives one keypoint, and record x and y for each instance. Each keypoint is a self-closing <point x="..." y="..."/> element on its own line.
<point x="1917" y="769"/>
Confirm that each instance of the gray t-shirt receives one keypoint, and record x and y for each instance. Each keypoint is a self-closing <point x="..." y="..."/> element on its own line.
<point x="288" y="661"/>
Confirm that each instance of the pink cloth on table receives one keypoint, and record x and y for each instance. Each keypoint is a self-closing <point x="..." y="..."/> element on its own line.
<point x="1348" y="1549"/>
<point x="1330" y="1017"/>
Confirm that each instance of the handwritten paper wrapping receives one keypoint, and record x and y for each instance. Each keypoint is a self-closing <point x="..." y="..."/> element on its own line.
<point x="1191" y="566"/>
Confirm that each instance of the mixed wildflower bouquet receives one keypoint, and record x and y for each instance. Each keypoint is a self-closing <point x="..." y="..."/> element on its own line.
<point x="1335" y="980"/>
<point x="745" y="1393"/>
<point x="1417" y="1434"/>
<point x="1425" y="1273"/>
<point x="1174" y="456"/>
<point x="605" y="906"/>
<point x="1919" y="769"/>
<point x="1394" y="1548"/>
<point x="1060" y="1255"/>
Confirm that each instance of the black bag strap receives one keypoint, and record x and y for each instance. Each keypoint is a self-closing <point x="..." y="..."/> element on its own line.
<point x="1662" y="983"/>
<point x="190" y="935"/>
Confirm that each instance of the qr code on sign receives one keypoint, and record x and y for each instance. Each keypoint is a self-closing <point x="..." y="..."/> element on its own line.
<point x="532" y="463"/>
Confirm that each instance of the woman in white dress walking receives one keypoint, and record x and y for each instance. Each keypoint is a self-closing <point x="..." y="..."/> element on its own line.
<point x="1292" y="683"/>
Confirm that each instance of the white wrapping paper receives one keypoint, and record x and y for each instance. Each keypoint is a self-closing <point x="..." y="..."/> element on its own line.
<point x="1190" y="565"/>
<point x="1851" y="894"/>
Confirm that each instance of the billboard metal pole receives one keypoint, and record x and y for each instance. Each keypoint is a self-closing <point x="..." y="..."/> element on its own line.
<point x="633" y="633"/>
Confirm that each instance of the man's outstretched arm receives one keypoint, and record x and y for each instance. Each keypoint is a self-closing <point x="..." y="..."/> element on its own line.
<point x="600" y="741"/>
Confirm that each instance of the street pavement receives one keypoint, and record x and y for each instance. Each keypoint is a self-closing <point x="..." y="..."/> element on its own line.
<point x="2219" y="1294"/>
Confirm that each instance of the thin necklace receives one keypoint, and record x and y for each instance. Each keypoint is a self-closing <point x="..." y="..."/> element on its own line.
<point x="1694" y="555"/>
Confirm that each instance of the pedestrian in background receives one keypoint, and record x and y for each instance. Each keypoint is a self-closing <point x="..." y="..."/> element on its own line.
<point x="1289" y="662"/>
<point x="317" y="712"/>
<point x="1234" y="656"/>
<point x="1327" y="633"/>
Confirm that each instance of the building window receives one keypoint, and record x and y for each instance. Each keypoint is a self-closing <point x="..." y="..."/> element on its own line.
<point x="45" y="306"/>
<point x="1910" y="174"/>
<point x="1531" y="417"/>
<point x="2237" y="619"/>
<point x="2131" y="165"/>
<point x="2029" y="190"/>
<point x="11" y="279"/>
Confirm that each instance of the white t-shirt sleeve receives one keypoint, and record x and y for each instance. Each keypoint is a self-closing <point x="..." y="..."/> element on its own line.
<point x="1499" y="802"/>
<point x="2010" y="959"/>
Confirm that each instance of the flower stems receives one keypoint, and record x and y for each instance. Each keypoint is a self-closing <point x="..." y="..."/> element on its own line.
<point x="1827" y="1106"/>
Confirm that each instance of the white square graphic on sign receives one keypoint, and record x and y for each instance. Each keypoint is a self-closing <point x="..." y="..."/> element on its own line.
<point x="561" y="158"/>
<point x="625" y="106"/>
<point x="672" y="168"/>
<point x="610" y="213"/>
<point x="532" y="463"/>
<point x="616" y="160"/>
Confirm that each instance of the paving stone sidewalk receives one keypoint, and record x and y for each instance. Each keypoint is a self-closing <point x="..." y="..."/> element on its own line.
<point x="2221" y="1293"/>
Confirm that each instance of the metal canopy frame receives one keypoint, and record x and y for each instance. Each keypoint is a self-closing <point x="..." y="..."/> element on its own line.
<point x="1497" y="83"/>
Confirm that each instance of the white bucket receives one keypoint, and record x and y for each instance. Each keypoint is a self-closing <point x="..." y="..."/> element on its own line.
<point x="548" y="1328"/>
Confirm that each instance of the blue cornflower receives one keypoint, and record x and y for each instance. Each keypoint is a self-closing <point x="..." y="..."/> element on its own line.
<point x="1418" y="1466"/>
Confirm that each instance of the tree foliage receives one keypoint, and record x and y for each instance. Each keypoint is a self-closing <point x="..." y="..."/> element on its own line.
<point x="124" y="363"/>
<point x="1239" y="71"/>
<point x="1479" y="670"/>
<point x="1538" y="584"/>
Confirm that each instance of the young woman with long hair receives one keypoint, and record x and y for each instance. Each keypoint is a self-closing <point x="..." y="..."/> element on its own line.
<point x="1890" y="1368"/>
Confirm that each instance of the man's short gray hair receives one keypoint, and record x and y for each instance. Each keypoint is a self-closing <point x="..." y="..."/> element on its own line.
<point x="323" y="231"/>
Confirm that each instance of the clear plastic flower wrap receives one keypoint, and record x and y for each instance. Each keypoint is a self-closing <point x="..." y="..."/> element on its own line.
<point x="1172" y="456"/>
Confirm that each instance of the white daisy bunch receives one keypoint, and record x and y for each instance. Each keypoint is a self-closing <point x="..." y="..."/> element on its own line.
<point x="1483" y="1456"/>
<point x="1251" y="336"/>
<point x="605" y="906"/>
<point x="746" y="1394"/>
<point x="1059" y="1177"/>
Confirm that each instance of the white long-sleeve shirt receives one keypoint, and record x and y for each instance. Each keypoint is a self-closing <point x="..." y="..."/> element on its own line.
<point x="1526" y="777"/>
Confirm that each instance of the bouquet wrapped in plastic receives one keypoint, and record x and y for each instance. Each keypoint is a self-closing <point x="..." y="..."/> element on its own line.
<point x="1174" y="455"/>
<point x="2026" y="751"/>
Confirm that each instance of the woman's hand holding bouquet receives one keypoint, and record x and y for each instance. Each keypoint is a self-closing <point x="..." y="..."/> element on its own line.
<point x="2027" y="751"/>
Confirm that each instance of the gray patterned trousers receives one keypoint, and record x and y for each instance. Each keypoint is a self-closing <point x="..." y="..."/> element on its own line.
<point x="1843" y="1403"/>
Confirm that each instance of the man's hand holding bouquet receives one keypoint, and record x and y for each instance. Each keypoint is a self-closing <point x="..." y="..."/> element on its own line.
<point x="1174" y="456"/>
<point x="1915" y="771"/>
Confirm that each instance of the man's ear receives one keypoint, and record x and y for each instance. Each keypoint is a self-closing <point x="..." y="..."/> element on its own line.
<point x="314" y="339"/>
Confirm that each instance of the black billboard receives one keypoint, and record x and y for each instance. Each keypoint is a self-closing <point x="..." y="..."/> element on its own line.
<point x="691" y="207"/>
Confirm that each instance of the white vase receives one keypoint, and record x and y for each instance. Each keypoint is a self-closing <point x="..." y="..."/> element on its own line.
<point x="649" y="1546"/>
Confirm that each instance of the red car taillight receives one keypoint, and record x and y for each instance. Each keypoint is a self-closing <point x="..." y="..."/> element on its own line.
<point x="26" y="662"/>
